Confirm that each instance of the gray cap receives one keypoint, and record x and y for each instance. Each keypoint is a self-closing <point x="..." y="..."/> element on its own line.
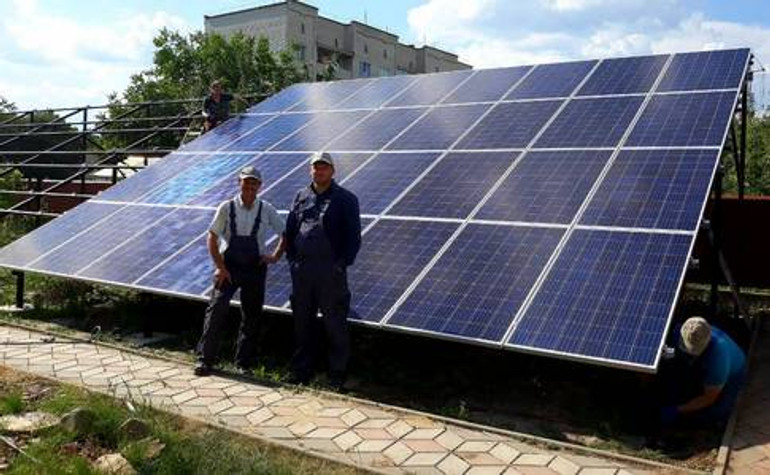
<point x="695" y="336"/>
<point x="321" y="157"/>
<point x="250" y="172"/>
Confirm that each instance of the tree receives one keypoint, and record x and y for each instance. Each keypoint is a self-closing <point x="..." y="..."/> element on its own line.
<point x="757" y="155"/>
<point x="184" y="66"/>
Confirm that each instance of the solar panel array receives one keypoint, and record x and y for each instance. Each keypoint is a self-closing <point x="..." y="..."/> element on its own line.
<point x="549" y="208"/>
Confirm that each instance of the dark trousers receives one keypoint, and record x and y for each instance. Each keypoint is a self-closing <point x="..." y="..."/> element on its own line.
<point x="252" y="287"/>
<point x="324" y="288"/>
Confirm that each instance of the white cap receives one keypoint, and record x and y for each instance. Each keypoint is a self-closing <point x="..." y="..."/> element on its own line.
<point x="250" y="172"/>
<point x="322" y="157"/>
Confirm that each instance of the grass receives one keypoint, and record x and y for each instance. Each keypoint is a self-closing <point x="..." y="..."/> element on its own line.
<point x="12" y="403"/>
<point x="188" y="448"/>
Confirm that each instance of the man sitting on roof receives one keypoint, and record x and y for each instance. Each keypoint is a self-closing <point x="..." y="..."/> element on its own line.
<point x="718" y="364"/>
<point x="216" y="106"/>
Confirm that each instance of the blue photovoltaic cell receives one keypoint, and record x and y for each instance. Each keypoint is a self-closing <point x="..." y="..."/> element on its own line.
<point x="455" y="185"/>
<point x="147" y="249"/>
<point x="684" y="120"/>
<point x="190" y="272"/>
<point x="705" y="70"/>
<point x="191" y="183"/>
<point x="624" y="76"/>
<point x="487" y="85"/>
<point x="479" y="283"/>
<point x="282" y="194"/>
<point x="379" y="92"/>
<point x="112" y="231"/>
<point x="324" y="128"/>
<point x="546" y="187"/>
<point x="608" y="296"/>
<point x="439" y="128"/>
<point x="272" y="166"/>
<point x="278" y="286"/>
<point x="509" y="125"/>
<point x="326" y="95"/>
<point x="552" y="80"/>
<point x="393" y="252"/>
<point x="429" y="89"/>
<point x="376" y="130"/>
<point x="662" y="189"/>
<point x="227" y="132"/>
<point x="284" y="99"/>
<point x="591" y="123"/>
<point x="381" y="180"/>
<point x="146" y="180"/>
<point x="270" y="133"/>
<point x="43" y="239"/>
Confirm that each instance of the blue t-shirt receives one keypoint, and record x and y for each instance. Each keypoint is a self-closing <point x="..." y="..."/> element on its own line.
<point x="723" y="363"/>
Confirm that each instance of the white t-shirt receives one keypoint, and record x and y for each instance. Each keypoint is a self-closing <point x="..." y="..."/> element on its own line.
<point x="244" y="222"/>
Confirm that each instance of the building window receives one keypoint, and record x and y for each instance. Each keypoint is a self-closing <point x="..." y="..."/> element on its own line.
<point x="364" y="69"/>
<point x="384" y="72"/>
<point x="366" y="49"/>
<point x="301" y="52"/>
<point x="411" y="66"/>
<point x="385" y="54"/>
<point x="336" y="43"/>
<point x="435" y="69"/>
<point x="302" y="28"/>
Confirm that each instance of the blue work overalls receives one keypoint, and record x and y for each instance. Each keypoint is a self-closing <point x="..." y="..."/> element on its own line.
<point x="247" y="272"/>
<point x="319" y="282"/>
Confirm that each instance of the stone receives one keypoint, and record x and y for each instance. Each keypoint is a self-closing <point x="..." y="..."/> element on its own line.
<point x="134" y="429"/>
<point x="78" y="420"/>
<point x="27" y="423"/>
<point x="114" y="464"/>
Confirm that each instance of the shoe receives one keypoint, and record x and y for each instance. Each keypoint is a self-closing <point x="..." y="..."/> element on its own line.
<point x="202" y="369"/>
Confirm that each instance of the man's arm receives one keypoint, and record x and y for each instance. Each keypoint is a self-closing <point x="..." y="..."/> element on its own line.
<point x="353" y="230"/>
<point x="709" y="397"/>
<point x="220" y="274"/>
<point x="279" y="226"/>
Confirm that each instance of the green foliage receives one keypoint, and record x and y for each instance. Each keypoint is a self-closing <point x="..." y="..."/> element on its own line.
<point x="757" y="158"/>
<point x="185" y="65"/>
<point x="11" y="403"/>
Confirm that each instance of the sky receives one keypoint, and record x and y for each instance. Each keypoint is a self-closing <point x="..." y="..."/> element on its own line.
<point x="60" y="53"/>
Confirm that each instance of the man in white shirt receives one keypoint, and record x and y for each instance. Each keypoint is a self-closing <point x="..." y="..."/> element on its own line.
<point x="236" y="243"/>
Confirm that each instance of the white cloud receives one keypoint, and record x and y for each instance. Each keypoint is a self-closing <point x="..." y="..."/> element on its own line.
<point x="493" y="33"/>
<point x="50" y="60"/>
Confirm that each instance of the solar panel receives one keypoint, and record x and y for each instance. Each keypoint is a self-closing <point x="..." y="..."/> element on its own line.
<point x="684" y="120"/>
<point x="591" y="123"/>
<point x="624" y="76"/>
<point x="487" y="85"/>
<point x="438" y="129"/>
<point x="608" y="297"/>
<point x="706" y="70"/>
<point x="552" y="80"/>
<point x="274" y="167"/>
<point x="661" y="189"/>
<point x="547" y="208"/>
<point x="509" y="125"/>
<point x="546" y="187"/>
<point x="454" y="186"/>
<point x="380" y="181"/>
<point x="478" y="284"/>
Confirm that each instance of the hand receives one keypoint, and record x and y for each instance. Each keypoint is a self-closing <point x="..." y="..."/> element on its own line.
<point x="668" y="414"/>
<point x="270" y="258"/>
<point x="220" y="277"/>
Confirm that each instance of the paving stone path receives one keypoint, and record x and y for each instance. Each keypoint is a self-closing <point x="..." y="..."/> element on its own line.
<point x="750" y="446"/>
<point x="386" y="440"/>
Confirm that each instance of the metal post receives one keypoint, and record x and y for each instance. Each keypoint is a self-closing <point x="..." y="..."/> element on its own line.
<point x="716" y="212"/>
<point x="19" y="288"/>
<point x="744" y="125"/>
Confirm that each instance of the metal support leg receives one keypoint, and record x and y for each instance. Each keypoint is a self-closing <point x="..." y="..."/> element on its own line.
<point x="19" y="289"/>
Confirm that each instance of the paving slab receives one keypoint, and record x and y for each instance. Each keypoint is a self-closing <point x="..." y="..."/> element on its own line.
<point x="371" y="436"/>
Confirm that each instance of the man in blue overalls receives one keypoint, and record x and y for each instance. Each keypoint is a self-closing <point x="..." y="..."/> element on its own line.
<point x="236" y="243"/>
<point x="323" y="236"/>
